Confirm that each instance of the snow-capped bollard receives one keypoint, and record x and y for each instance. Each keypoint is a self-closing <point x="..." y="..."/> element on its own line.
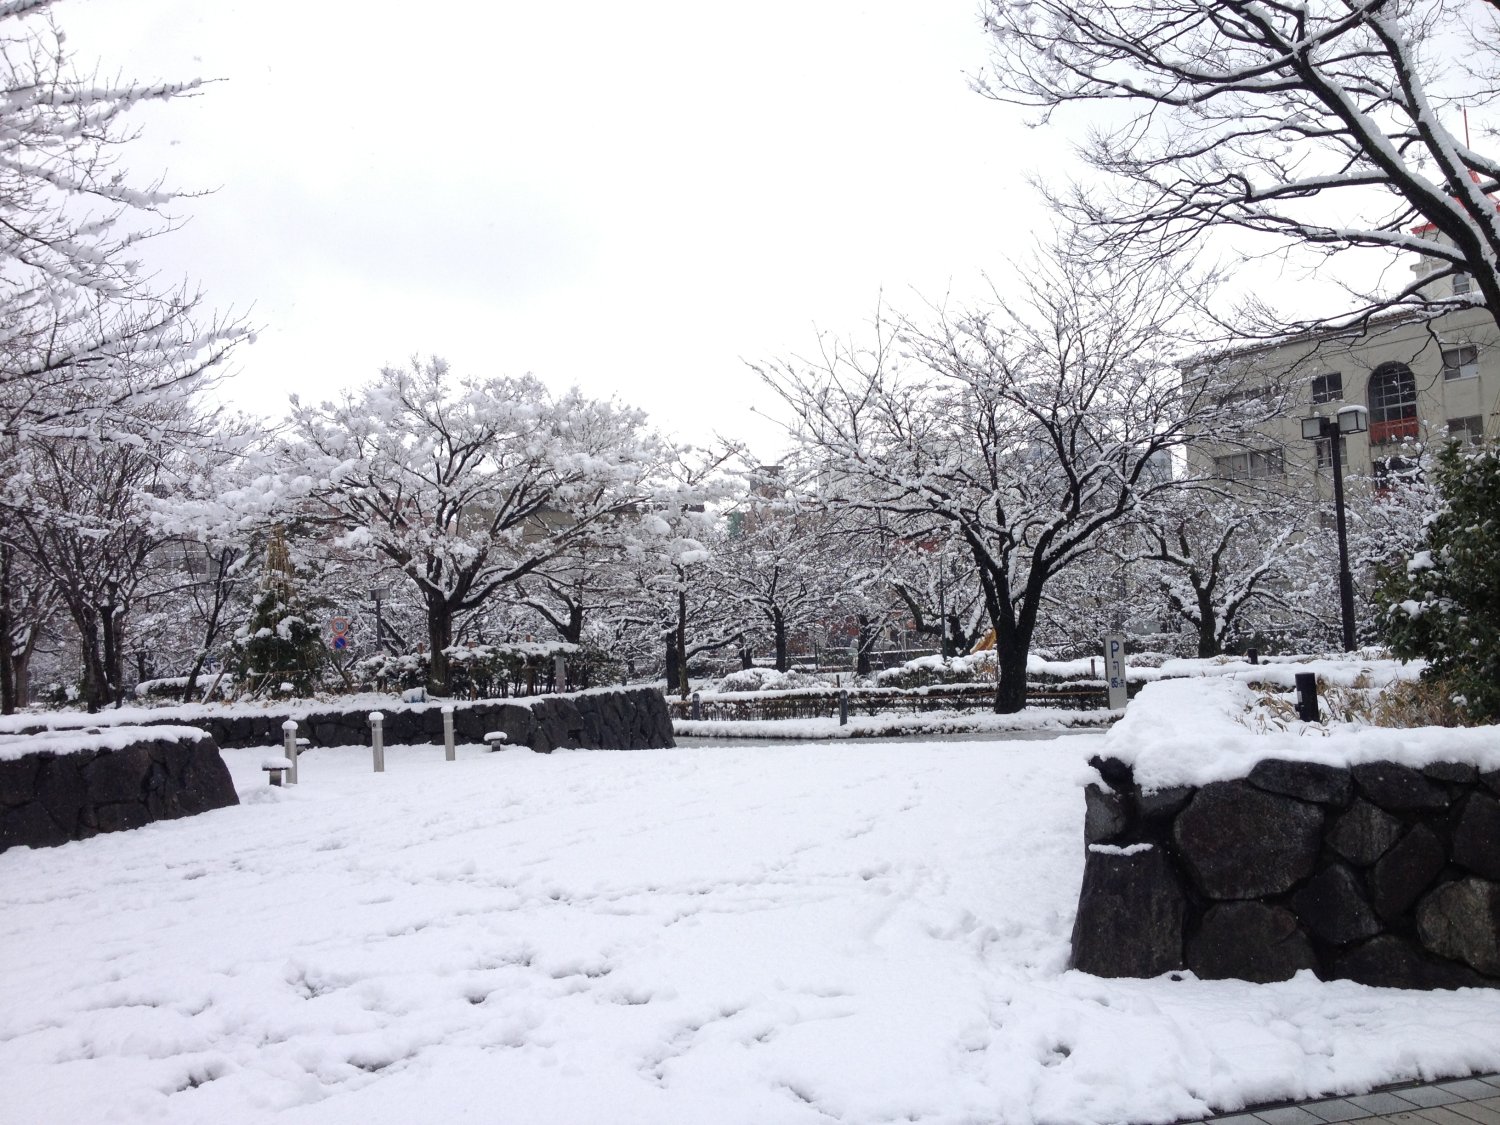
<point x="275" y="768"/>
<point x="448" y="732"/>
<point x="289" y="740"/>
<point x="697" y="707"/>
<point x="496" y="739"/>
<point x="843" y="708"/>
<point x="377" y="740"/>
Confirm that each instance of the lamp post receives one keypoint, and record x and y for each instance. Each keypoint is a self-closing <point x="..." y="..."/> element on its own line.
<point x="1348" y="420"/>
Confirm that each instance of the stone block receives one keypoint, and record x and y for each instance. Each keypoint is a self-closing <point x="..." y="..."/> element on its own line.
<point x="1306" y="781"/>
<point x="1104" y="815"/>
<point x="1162" y="804"/>
<point x="1332" y="907"/>
<point x="1249" y="941"/>
<point x="1397" y="788"/>
<point x="1239" y="842"/>
<point x="1405" y="871"/>
<point x="30" y="825"/>
<point x="1461" y="921"/>
<point x="1455" y="773"/>
<point x="1476" y="839"/>
<point x="1364" y="833"/>
<point x="1389" y="961"/>
<point x="62" y="790"/>
<point x="1131" y="910"/>
<point x="18" y="780"/>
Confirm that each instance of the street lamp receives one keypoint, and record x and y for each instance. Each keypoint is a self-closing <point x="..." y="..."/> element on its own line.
<point x="1349" y="420"/>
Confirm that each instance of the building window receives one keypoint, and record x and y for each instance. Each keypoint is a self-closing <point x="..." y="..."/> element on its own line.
<point x="1325" y="452"/>
<point x="1460" y="361"/>
<point x="1255" y="464"/>
<point x="1462" y="283"/>
<point x="1393" y="403"/>
<point x="1328" y="388"/>
<point x="1470" y="429"/>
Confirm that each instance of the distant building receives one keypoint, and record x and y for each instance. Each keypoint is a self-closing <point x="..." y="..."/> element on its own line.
<point x="1423" y="380"/>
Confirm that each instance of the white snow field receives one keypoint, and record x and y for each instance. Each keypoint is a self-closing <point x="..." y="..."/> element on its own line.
<point x="759" y="934"/>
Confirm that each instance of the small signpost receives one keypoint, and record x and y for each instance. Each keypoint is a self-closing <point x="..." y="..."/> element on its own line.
<point x="1114" y="669"/>
<point x="338" y="633"/>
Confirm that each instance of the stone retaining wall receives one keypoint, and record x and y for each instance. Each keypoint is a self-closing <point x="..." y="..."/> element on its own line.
<point x="628" y="719"/>
<point x="49" y="796"/>
<point x="1377" y="873"/>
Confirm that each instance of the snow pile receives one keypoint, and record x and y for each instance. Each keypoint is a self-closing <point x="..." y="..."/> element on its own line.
<point x="770" y="935"/>
<point x="1192" y="732"/>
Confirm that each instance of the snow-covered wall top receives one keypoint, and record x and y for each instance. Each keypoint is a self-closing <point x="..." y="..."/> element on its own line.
<point x="1196" y="731"/>
<point x="90" y="739"/>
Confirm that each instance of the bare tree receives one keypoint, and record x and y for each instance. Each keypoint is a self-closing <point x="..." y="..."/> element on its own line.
<point x="1023" y="431"/>
<point x="1219" y="555"/>
<point x="77" y="310"/>
<point x="1335" y="125"/>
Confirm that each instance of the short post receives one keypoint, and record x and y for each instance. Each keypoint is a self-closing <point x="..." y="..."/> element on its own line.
<point x="1307" y="697"/>
<point x="377" y="740"/>
<point x="1253" y="655"/>
<point x="843" y="708"/>
<point x="448" y="732"/>
<point x="697" y="707"/>
<point x="289" y="739"/>
<point x="559" y="673"/>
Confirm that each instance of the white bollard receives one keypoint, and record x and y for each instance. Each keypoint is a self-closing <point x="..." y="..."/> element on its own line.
<point x="289" y="738"/>
<point x="448" y="732"/>
<point x="377" y="740"/>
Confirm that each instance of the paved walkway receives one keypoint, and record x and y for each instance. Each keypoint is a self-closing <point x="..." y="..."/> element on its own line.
<point x="1462" y="1101"/>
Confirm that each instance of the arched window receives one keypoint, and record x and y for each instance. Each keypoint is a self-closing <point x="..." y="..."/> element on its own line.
<point x="1393" y="403"/>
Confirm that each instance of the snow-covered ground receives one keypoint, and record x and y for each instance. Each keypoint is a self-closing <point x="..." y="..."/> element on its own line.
<point x="764" y="934"/>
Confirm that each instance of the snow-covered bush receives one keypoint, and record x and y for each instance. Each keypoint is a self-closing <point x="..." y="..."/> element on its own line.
<point x="767" y="679"/>
<point x="928" y="670"/>
<point x="1443" y="604"/>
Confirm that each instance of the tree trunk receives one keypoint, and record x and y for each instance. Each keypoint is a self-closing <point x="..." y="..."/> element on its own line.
<point x="439" y="639"/>
<point x="573" y="632"/>
<point x="863" y="646"/>
<point x="7" y="637"/>
<point x="778" y="632"/>
<point x="112" y="629"/>
<point x="681" y="639"/>
<point x="1209" y="641"/>
<point x="673" y="660"/>
<point x="747" y="659"/>
<point x="1010" y="690"/>
<point x="958" y="643"/>
<point x="94" y="676"/>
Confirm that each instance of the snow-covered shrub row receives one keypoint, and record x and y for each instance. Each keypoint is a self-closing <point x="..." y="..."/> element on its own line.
<point x="482" y="671"/>
<point x="768" y="679"/>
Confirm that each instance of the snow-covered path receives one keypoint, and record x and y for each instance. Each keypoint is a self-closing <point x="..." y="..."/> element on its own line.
<point x="767" y="934"/>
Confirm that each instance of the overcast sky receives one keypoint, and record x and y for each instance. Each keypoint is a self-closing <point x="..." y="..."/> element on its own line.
<point x="635" y="198"/>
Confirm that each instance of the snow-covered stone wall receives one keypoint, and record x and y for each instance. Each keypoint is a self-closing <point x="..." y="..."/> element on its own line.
<point x="62" y="786"/>
<point x="604" y="719"/>
<point x="1379" y="872"/>
<point x="597" y="719"/>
